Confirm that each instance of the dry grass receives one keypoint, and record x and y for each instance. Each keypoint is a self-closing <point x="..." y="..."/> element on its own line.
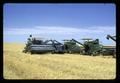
<point x="18" y="65"/>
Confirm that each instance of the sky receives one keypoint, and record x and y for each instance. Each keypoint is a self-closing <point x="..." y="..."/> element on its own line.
<point x="59" y="21"/>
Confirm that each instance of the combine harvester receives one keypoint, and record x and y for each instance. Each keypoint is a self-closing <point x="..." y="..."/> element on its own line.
<point x="89" y="47"/>
<point x="110" y="50"/>
<point x="92" y="47"/>
<point x="38" y="45"/>
<point x="72" y="46"/>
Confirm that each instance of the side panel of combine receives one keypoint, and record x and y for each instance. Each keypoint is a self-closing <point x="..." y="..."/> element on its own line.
<point x="41" y="48"/>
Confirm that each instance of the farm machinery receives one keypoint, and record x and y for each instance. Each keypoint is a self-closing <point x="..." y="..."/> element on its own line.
<point x="35" y="45"/>
<point x="89" y="47"/>
<point x="110" y="50"/>
<point x="71" y="46"/>
<point x="92" y="47"/>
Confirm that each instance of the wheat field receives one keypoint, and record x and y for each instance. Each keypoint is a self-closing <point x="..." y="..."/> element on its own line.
<point x="18" y="65"/>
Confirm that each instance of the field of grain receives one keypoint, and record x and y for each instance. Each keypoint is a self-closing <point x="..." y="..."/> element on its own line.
<point x="18" y="65"/>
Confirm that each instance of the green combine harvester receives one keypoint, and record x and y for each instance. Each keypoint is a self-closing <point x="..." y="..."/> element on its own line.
<point x="92" y="47"/>
<point x="89" y="47"/>
<point x="71" y="46"/>
<point x="110" y="50"/>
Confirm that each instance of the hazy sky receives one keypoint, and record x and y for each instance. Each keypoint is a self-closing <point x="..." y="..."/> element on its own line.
<point x="59" y="21"/>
